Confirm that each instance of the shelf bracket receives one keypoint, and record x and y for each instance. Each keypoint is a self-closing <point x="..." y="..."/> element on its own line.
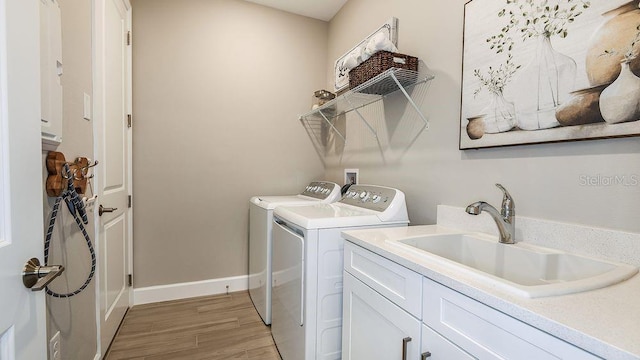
<point x="355" y="109"/>
<point x="375" y="134"/>
<point x="333" y="127"/>
<point x="426" y="122"/>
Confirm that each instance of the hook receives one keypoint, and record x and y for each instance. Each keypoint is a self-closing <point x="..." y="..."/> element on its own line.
<point x="75" y="170"/>
<point x="66" y="172"/>
<point x="95" y="163"/>
<point x="88" y="201"/>
<point x="85" y="169"/>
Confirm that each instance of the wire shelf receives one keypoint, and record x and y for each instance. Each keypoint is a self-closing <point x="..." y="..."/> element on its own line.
<point x="322" y="123"/>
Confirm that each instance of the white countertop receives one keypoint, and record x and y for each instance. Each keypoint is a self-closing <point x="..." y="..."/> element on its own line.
<point x="605" y="322"/>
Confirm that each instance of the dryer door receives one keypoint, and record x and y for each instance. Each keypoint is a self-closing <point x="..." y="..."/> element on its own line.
<point x="260" y="220"/>
<point x="287" y="317"/>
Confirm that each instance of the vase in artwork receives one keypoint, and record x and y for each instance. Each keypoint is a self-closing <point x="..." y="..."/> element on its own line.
<point x="475" y="127"/>
<point x="544" y="84"/>
<point x="582" y="108"/>
<point x="620" y="101"/>
<point x="613" y="36"/>
<point x="499" y="114"/>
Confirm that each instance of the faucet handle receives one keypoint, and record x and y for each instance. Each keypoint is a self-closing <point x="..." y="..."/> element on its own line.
<point x="508" y="205"/>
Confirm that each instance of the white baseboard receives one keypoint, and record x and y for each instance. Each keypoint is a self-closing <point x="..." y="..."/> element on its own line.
<point x="97" y="357"/>
<point x="153" y="294"/>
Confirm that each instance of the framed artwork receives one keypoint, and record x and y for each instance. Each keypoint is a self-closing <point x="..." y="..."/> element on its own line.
<point x="389" y="28"/>
<point x="549" y="70"/>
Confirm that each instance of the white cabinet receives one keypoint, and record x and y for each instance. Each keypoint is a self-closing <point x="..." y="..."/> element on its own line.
<point x="487" y="333"/>
<point x="396" y="283"/>
<point x="435" y="347"/>
<point x="374" y="327"/>
<point x="50" y="73"/>
<point x="379" y="312"/>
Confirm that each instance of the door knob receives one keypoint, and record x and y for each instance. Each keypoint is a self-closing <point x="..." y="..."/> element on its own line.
<point x="102" y="210"/>
<point x="36" y="277"/>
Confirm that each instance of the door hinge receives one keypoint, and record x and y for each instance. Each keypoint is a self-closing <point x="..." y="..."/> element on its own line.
<point x="129" y="201"/>
<point x="129" y="120"/>
<point x="128" y="37"/>
<point x="130" y="279"/>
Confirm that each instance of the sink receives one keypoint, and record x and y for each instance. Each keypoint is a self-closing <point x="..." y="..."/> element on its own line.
<point x="523" y="269"/>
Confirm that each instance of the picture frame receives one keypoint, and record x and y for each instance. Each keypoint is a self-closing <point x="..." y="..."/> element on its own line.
<point x="341" y="79"/>
<point x="509" y="97"/>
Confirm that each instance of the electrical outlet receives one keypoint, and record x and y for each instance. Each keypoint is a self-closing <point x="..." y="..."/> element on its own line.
<point x="55" y="347"/>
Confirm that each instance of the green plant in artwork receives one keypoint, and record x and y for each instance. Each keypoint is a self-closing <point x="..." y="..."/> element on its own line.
<point x="533" y="18"/>
<point x="496" y="78"/>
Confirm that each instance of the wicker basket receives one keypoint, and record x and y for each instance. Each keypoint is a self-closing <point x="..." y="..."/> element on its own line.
<point x="379" y="63"/>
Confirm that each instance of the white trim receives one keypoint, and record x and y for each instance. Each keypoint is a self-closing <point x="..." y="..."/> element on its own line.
<point x="5" y="220"/>
<point x="97" y="357"/>
<point x="97" y="77"/>
<point x="129" y="99"/>
<point x="153" y="294"/>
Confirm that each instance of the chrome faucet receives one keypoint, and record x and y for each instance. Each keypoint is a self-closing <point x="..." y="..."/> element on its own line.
<point x="505" y="219"/>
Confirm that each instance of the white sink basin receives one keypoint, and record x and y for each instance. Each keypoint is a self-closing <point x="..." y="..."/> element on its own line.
<point x="526" y="270"/>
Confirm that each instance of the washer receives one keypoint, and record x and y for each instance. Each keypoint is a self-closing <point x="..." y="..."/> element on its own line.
<point x="260" y="223"/>
<point x="307" y="267"/>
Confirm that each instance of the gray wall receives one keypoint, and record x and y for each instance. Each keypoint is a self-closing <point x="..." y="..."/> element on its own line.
<point x="217" y="86"/>
<point x="544" y="179"/>
<point x="74" y="317"/>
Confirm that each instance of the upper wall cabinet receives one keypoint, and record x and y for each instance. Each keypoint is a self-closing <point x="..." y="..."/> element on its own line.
<point x="382" y="105"/>
<point x="50" y="73"/>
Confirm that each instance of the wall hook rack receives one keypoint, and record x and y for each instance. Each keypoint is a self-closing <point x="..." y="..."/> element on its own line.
<point x="58" y="179"/>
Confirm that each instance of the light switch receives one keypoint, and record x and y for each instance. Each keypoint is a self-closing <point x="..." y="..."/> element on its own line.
<point x="87" y="107"/>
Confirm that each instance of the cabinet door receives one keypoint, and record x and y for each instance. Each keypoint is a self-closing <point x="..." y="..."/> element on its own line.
<point x="487" y="333"/>
<point x="376" y="328"/>
<point x="435" y="347"/>
<point x="396" y="283"/>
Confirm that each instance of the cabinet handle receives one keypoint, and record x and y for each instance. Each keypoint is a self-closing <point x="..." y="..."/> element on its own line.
<point x="405" y="341"/>
<point x="425" y="355"/>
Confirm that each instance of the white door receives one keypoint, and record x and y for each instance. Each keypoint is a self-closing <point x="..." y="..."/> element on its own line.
<point x="112" y="145"/>
<point x="22" y="312"/>
<point x="374" y="327"/>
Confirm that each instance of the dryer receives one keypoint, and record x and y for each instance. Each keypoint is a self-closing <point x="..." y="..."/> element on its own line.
<point x="260" y="220"/>
<point x="307" y="267"/>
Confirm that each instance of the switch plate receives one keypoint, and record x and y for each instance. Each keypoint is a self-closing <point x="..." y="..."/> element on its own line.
<point x="86" y="112"/>
<point x="55" y="347"/>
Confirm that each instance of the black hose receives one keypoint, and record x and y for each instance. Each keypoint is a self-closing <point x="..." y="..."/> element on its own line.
<point x="75" y="206"/>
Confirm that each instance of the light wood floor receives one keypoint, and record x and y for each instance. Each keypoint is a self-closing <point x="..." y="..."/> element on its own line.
<point x="212" y="327"/>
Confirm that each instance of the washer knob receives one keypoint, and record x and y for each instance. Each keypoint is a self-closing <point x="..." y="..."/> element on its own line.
<point x="376" y="198"/>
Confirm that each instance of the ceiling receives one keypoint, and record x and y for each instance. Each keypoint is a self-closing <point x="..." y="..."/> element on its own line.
<point x="317" y="9"/>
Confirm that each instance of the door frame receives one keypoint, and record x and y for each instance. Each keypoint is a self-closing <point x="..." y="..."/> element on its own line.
<point x="98" y="80"/>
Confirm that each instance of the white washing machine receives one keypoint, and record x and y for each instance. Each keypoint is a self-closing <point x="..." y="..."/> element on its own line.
<point x="260" y="225"/>
<point x="306" y="322"/>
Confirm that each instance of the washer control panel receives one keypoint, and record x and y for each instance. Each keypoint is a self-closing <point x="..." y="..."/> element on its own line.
<point x="320" y="189"/>
<point x="371" y="197"/>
